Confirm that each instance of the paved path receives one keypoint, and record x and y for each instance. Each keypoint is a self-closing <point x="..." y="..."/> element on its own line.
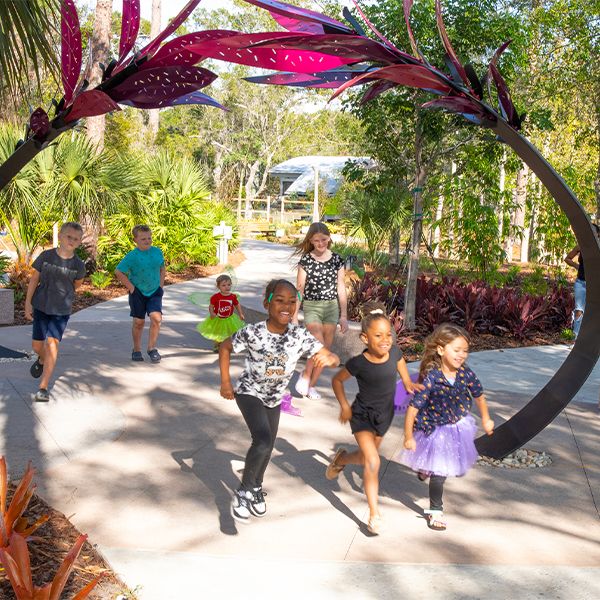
<point x="144" y="457"/>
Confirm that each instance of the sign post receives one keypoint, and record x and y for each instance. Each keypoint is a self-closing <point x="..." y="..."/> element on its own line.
<point x="224" y="233"/>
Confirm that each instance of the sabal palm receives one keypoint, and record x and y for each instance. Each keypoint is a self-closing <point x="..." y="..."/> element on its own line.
<point x="25" y="40"/>
<point x="69" y="181"/>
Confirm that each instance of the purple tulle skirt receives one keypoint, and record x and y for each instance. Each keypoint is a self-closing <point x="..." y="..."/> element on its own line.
<point x="448" y="451"/>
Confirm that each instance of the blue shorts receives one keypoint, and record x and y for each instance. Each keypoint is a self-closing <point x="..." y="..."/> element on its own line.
<point x="45" y="326"/>
<point x="141" y="305"/>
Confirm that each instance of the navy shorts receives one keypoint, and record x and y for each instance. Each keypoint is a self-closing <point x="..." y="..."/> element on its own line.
<point x="141" y="305"/>
<point x="45" y="326"/>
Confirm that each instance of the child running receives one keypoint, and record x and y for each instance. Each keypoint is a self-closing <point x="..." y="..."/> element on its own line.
<point x="142" y="272"/>
<point x="372" y="412"/>
<point x="439" y="432"/>
<point x="273" y="348"/>
<point x="56" y="275"/>
<point x="222" y="322"/>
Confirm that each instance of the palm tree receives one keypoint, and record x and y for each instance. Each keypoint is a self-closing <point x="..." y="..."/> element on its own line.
<point x="25" y="29"/>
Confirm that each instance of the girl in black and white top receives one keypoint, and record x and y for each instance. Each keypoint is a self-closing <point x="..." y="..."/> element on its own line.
<point x="273" y="348"/>
<point x="321" y="283"/>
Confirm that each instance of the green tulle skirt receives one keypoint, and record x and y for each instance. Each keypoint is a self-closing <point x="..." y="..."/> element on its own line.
<point x="218" y="329"/>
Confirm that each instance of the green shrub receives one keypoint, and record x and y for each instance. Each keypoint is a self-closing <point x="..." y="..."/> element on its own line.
<point x="177" y="267"/>
<point x="101" y="279"/>
<point x="567" y="334"/>
<point x="536" y="283"/>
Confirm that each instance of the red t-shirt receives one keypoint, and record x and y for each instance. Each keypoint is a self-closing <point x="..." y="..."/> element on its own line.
<point x="224" y="305"/>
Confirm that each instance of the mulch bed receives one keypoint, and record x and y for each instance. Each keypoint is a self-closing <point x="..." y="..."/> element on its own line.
<point x="51" y="544"/>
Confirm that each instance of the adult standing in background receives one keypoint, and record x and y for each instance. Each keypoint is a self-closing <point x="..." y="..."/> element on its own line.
<point x="579" y="288"/>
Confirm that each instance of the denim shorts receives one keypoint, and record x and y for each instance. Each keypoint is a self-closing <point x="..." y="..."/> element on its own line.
<point x="45" y="326"/>
<point x="141" y="305"/>
<point x="321" y="311"/>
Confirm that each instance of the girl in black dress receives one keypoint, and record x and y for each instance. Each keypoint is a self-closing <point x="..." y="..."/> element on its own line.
<point x="371" y="414"/>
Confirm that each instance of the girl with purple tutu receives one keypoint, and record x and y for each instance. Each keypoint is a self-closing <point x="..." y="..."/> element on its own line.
<point x="222" y="322"/>
<point x="372" y="412"/>
<point x="439" y="432"/>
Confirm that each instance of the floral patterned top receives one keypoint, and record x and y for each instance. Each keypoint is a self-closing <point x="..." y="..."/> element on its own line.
<point x="442" y="402"/>
<point x="271" y="359"/>
<point x="321" y="276"/>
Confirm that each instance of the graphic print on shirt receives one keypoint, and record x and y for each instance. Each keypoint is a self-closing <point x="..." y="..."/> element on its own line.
<point x="225" y="307"/>
<point x="275" y="365"/>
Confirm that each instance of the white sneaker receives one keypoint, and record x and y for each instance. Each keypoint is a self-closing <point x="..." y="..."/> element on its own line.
<point x="302" y="385"/>
<point x="240" y="506"/>
<point x="312" y="394"/>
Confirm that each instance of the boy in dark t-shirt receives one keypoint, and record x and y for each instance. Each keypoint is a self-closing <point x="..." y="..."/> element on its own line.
<point x="57" y="273"/>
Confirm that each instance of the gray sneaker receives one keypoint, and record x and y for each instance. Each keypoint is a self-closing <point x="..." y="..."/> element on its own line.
<point x="42" y="395"/>
<point x="154" y="355"/>
<point x="36" y="369"/>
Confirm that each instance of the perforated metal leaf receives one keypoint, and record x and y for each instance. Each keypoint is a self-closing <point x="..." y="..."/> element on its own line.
<point x="353" y="48"/>
<point x="407" y="6"/>
<point x="375" y="30"/>
<point x="457" y="104"/>
<point x="185" y="12"/>
<point x="130" y="25"/>
<point x="39" y="123"/>
<point x="165" y="83"/>
<point x="330" y="79"/>
<point x="90" y="104"/>
<point x="240" y="49"/>
<point x="416" y="76"/>
<point x="294" y="18"/>
<point x="448" y="45"/>
<point x="192" y="98"/>
<point x="507" y="107"/>
<point x="70" y="48"/>
<point x="177" y="52"/>
<point x="376" y="90"/>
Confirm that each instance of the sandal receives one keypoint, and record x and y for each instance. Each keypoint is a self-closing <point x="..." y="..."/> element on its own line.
<point x="434" y="520"/>
<point x="333" y="469"/>
<point x="375" y="524"/>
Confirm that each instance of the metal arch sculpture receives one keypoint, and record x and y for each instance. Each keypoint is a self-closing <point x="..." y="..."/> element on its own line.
<point x="460" y="91"/>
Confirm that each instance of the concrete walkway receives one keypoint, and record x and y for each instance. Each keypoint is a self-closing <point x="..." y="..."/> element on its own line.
<point x="144" y="457"/>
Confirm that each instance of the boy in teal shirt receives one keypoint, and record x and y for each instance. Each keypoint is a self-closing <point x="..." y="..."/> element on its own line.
<point x="142" y="272"/>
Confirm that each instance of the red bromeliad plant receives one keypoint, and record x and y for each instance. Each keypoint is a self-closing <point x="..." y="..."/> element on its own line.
<point x="12" y="520"/>
<point x="14" y="533"/>
<point x="15" y="559"/>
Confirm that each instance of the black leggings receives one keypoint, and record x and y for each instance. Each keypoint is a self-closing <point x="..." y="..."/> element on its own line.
<point x="436" y="490"/>
<point x="263" y="423"/>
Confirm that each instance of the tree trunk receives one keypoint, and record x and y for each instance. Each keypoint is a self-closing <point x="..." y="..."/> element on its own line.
<point x="520" y="212"/>
<point x="100" y="52"/>
<point x="410" y="294"/>
<point x="154" y="31"/>
<point x="501" y="188"/>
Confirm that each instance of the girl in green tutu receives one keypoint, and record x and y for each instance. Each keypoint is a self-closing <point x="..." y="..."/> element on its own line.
<point x="222" y="322"/>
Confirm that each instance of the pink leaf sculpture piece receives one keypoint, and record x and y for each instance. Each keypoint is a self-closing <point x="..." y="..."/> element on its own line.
<point x="457" y="104"/>
<point x="130" y="25"/>
<point x="329" y="79"/>
<point x="187" y="99"/>
<point x="409" y="75"/>
<point x="294" y="18"/>
<point x="90" y="104"/>
<point x="376" y="90"/>
<point x="240" y="49"/>
<point x="353" y="48"/>
<point x="375" y="30"/>
<point x="162" y="84"/>
<point x="407" y="6"/>
<point x="185" y="12"/>
<point x="39" y="123"/>
<point x="448" y="46"/>
<point x="183" y="50"/>
<point x="70" y="47"/>
<point x="506" y="104"/>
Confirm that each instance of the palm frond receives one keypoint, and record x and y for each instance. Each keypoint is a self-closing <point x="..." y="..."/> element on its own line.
<point x="26" y="30"/>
